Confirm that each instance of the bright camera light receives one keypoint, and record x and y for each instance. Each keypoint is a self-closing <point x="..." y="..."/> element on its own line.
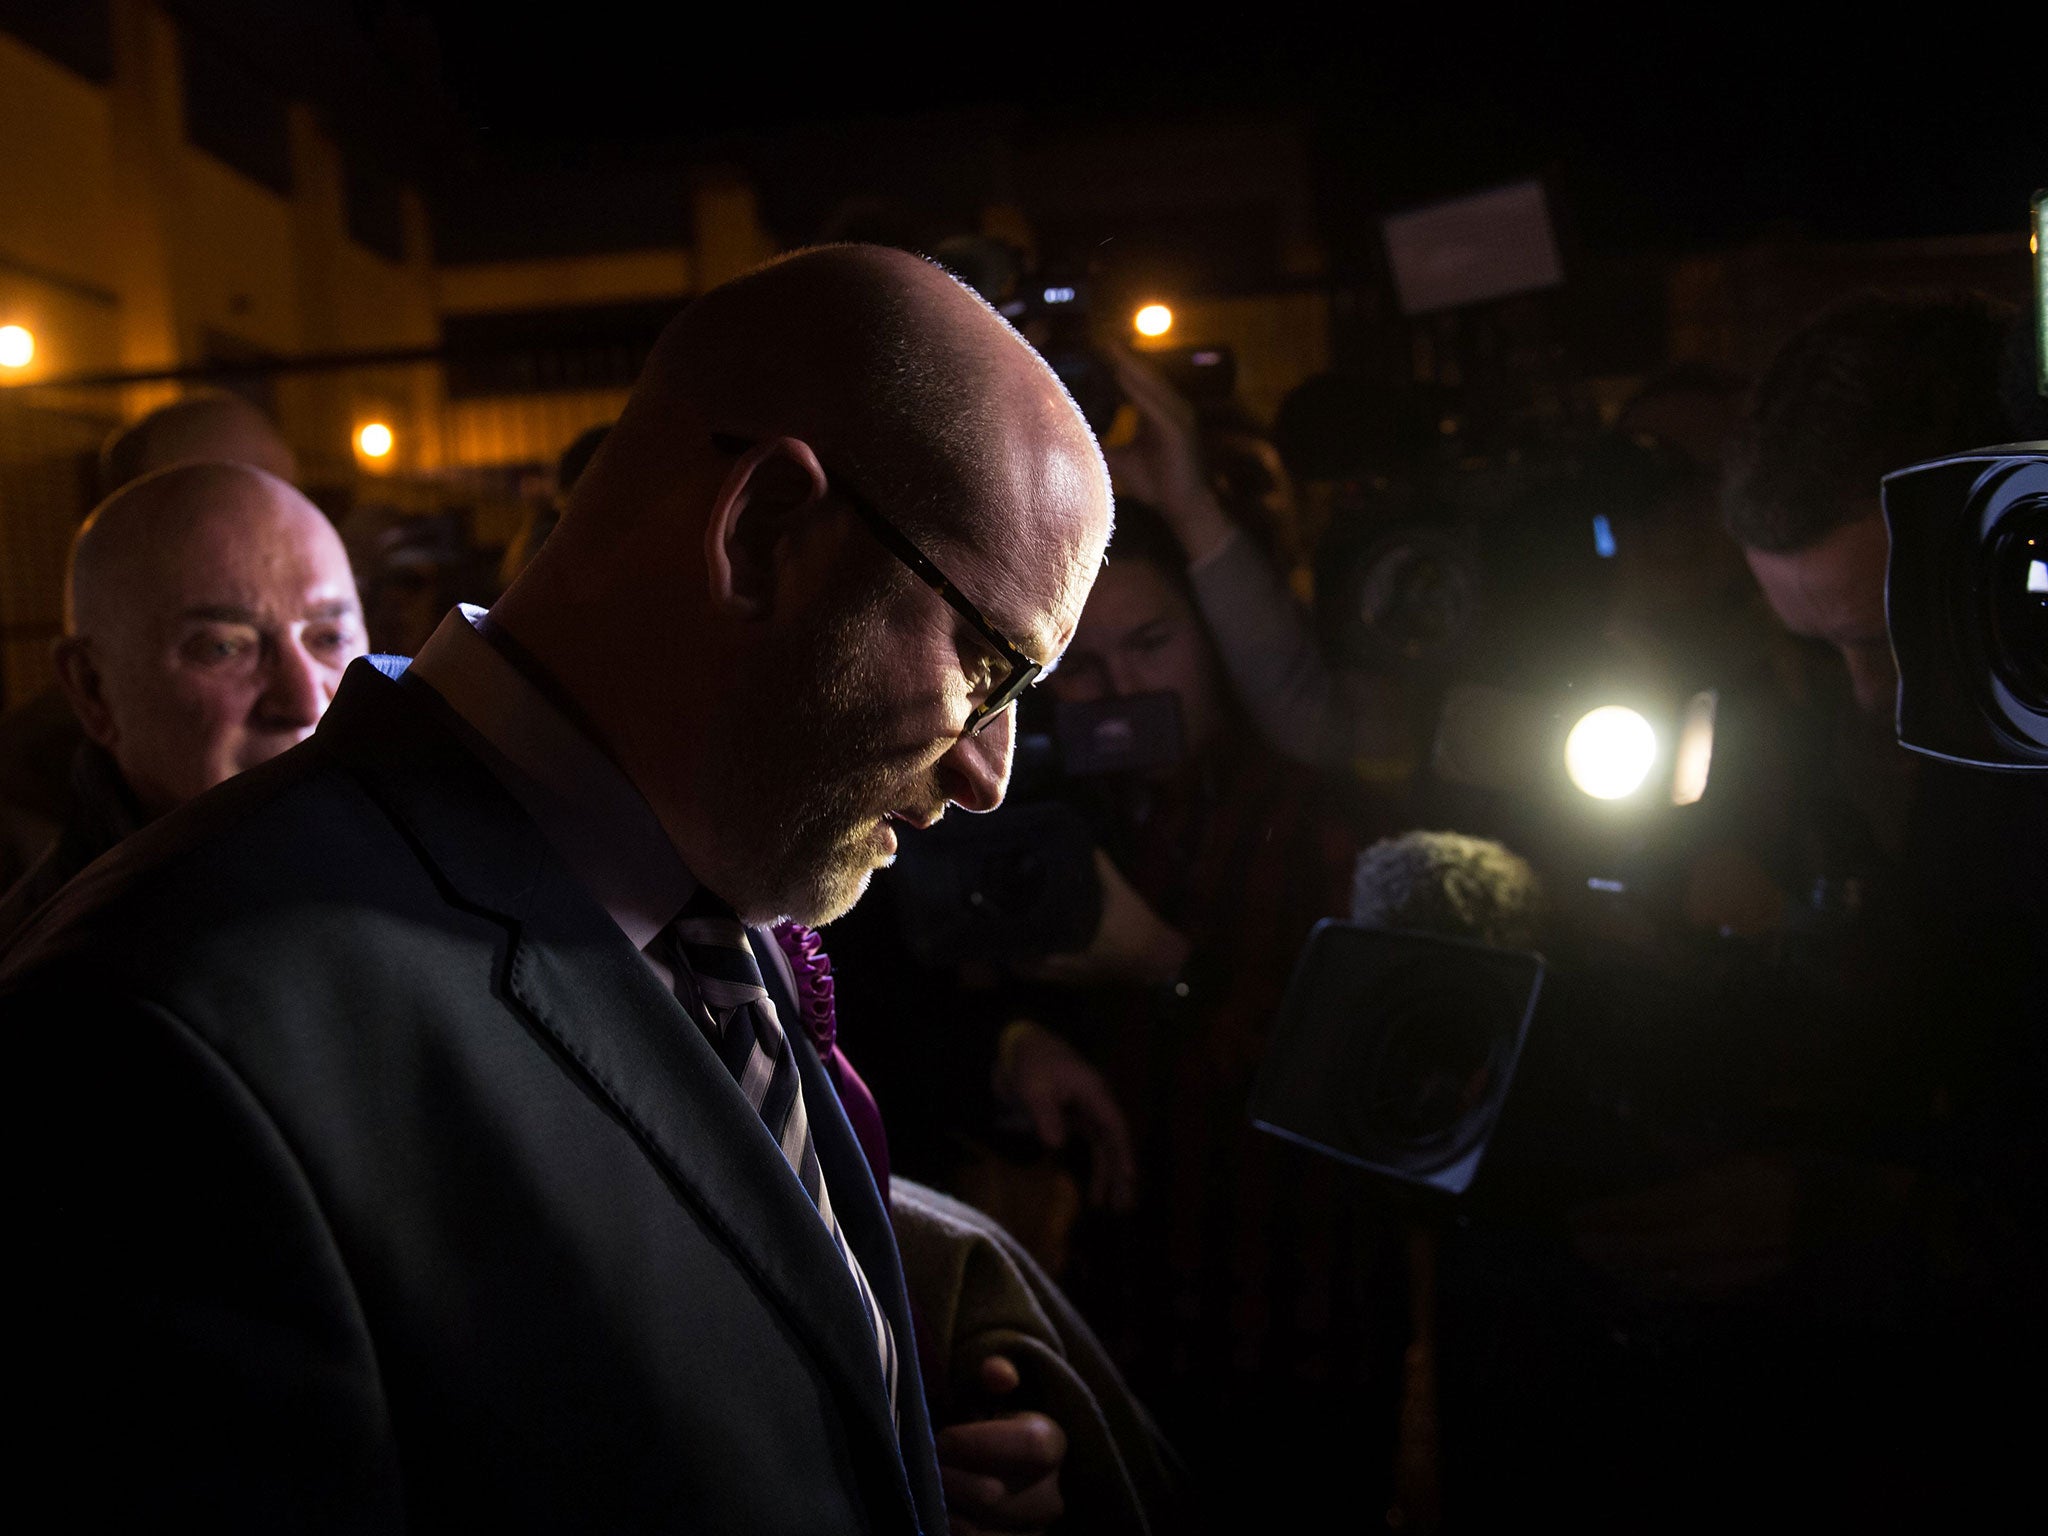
<point x="375" y="440"/>
<point x="1153" y="320"/>
<point x="1609" y="752"/>
<point x="17" y="346"/>
<point x="1695" y="749"/>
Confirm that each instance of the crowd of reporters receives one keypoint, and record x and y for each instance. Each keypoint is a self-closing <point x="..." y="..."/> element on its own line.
<point x="1798" y="1279"/>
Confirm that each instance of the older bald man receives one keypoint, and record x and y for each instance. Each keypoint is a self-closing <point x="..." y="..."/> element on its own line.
<point x="209" y="612"/>
<point x="418" y="1143"/>
<point x="39" y="737"/>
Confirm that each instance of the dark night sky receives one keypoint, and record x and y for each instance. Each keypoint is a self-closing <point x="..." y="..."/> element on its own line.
<point x="1658" y="141"/>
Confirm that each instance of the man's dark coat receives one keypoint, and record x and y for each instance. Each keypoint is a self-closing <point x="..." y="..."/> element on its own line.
<point x="103" y="811"/>
<point x="365" y="1178"/>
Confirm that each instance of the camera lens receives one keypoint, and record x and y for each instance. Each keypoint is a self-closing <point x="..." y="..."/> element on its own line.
<point x="1435" y="1072"/>
<point x="2016" y="602"/>
<point x="1417" y="597"/>
<point x="1966" y="603"/>
<point x="1433" y="1054"/>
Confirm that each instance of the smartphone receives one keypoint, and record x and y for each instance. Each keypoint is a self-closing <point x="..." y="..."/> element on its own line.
<point x="1134" y="733"/>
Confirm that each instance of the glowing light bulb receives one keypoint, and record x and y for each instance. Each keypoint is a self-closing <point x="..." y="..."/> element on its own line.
<point x="17" y="346"/>
<point x="1153" y="320"/>
<point x="1695" y="754"/>
<point x="375" y="440"/>
<point x="1609" y="752"/>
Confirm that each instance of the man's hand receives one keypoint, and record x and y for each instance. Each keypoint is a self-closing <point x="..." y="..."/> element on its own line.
<point x="1002" y="1474"/>
<point x="1133" y="944"/>
<point x="1162" y="464"/>
<point x="1038" y="1072"/>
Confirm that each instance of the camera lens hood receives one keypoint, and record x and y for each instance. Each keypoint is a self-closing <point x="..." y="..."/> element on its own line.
<point x="1966" y="599"/>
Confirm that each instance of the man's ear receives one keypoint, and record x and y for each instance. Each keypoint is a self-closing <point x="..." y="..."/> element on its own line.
<point x="772" y="486"/>
<point x="78" y="674"/>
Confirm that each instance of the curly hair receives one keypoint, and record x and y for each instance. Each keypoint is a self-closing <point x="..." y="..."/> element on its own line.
<point x="1872" y="384"/>
<point x="1448" y="883"/>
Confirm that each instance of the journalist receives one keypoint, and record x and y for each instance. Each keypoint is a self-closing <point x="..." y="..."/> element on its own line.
<point x="1256" y="1292"/>
<point x="1875" y="1244"/>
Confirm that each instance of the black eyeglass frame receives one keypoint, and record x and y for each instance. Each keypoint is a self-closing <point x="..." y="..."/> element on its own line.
<point x="1023" y="673"/>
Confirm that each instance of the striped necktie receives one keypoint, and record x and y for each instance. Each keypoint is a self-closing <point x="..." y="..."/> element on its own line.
<point x="738" y="1017"/>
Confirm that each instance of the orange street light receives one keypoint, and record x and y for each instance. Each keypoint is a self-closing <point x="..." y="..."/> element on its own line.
<point x="1153" y="320"/>
<point x="374" y="439"/>
<point x="17" y="346"/>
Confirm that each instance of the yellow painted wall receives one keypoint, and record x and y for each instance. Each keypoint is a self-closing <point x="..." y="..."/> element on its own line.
<point x="234" y="244"/>
<point x="523" y="429"/>
<point x="56" y="275"/>
<point x="57" y="138"/>
<point x="614" y="277"/>
<point x="100" y="191"/>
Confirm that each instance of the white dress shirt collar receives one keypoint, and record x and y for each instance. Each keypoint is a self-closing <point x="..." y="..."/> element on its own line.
<point x="598" y="822"/>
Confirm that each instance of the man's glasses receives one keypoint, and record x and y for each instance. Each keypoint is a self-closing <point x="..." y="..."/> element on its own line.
<point x="1021" y="671"/>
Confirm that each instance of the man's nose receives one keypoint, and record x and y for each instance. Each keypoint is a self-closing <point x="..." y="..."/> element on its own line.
<point x="975" y="771"/>
<point x="297" y="691"/>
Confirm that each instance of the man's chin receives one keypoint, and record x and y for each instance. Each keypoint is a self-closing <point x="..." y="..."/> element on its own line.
<point x="835" y="901"/>
<point x="837" y="890"/>
<point x="820" y="896"/>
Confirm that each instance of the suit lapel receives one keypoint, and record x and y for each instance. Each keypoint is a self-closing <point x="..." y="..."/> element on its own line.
<point x="575" y="975"/>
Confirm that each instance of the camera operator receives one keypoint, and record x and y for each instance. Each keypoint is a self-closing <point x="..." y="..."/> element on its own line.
<point x="1881" y="1267"/>
<point x="1256" y="1291"/>
<point x="1870" y="386"/>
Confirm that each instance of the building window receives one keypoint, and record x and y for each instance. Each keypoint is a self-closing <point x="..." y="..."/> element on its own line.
<point x="545" y="351"/>
<point x="376" y="207"/>
<point x="235" y="117"/>
<point x="78" y="34"/>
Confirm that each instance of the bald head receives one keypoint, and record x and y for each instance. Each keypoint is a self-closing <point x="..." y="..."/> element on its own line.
<point x="202" y="428"/>
<point x="897" y="374"/>
<point x="209" y="612"/>
<point x="716" y="536"/>
<point x="163" y="535"/>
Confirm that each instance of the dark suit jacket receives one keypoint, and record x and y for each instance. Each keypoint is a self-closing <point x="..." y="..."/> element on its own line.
<point x="367" y="1179"/>
<point x="103" y="811"/>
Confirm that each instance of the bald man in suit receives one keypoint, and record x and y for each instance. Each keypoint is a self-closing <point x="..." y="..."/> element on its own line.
<point x="408" y="1136"/>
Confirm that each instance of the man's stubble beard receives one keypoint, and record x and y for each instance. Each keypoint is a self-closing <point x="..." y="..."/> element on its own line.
<point x="806" y="779"/>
